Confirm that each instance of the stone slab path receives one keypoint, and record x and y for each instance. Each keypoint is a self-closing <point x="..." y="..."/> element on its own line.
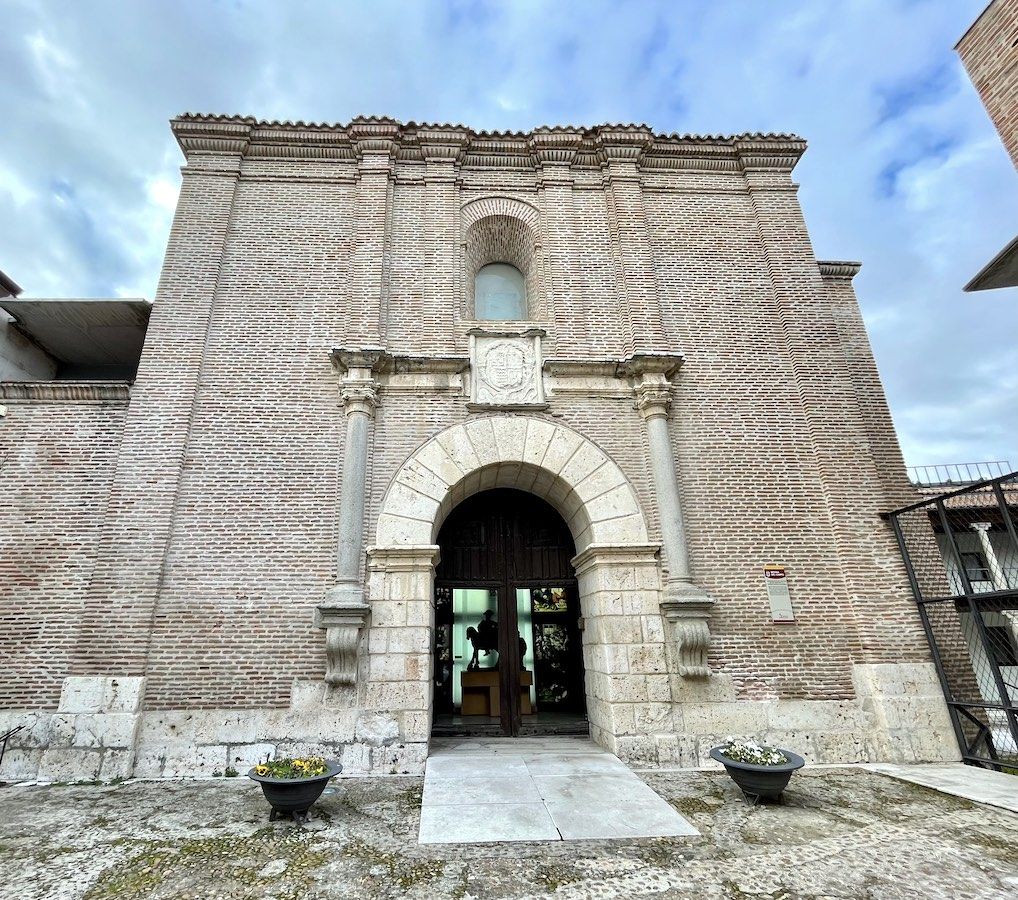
<point x="959" y="780"/>
<point x="537" y="789"/>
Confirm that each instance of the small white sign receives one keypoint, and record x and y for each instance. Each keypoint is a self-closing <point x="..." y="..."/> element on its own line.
<point x="777" y="594"/>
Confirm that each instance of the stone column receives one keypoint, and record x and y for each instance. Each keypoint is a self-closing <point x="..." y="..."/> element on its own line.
<point x="997" y="575"/>
<point x="686" y="605"/>
<point x="344" y="612"/>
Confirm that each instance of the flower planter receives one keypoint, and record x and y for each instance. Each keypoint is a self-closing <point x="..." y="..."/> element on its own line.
<point x="294" y="797"/>
<point x="760" y="782"/>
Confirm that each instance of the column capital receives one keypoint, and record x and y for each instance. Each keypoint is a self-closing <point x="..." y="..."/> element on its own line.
<point x="359" y="396"/>
<point x="981" y="526"/>
<point x="359" y="389"/>
<point x="653" y="397"/>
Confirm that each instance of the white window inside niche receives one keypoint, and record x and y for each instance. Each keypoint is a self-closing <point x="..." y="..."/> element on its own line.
<point x="500" y="293"/>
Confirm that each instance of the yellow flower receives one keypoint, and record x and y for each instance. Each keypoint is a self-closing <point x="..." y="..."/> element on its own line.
<point x="261" y="770"/>
<point x="298" y="762"/>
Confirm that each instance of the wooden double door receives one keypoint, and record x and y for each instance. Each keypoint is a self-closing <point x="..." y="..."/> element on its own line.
<point x="508" y="649"/>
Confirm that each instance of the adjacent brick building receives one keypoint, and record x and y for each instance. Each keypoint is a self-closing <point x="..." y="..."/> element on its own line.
<point x="989" y="52"/>
<point x="236" y="554"/>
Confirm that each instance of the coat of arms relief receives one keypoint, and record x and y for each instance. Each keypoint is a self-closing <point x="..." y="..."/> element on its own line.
<point x="506" y="369"/>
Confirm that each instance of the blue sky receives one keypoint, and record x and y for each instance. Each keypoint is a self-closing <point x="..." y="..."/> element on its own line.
<point x="904" y="170"/>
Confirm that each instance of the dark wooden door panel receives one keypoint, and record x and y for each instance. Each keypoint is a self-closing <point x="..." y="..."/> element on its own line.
<point x="503" y="539"/>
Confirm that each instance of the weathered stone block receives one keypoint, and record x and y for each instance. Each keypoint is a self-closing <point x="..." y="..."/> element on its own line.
<point x="243" y="756"/>
<point x="738" y="718"/>
<point x="116" y="764"/>
<point x="376" y="730"/>
<point x="20" y="764"/>
<point x="82" y="694"/>
<point x="399" y="759"/>
<point x="70" y="764"/>
<point x="189" y="761"/>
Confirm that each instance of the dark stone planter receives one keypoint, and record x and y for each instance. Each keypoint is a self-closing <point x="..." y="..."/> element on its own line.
<point x="760" y="782"/>
<point x="294" y="796"/>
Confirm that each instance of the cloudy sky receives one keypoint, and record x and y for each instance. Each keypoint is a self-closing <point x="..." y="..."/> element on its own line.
<point x="904" y="170"/>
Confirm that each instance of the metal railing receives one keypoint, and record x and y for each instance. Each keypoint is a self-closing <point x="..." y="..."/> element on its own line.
<point x="961" y="554"/>
<point x="958" y="473"/>
<point x="4" y="738"/>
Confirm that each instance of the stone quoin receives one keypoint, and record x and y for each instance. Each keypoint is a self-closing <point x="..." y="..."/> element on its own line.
<point x="234" y="553"/>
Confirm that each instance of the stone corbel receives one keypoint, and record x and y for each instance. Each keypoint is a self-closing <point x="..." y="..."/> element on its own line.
<point x="688" y="618"/>
<point x="343" y="625"/>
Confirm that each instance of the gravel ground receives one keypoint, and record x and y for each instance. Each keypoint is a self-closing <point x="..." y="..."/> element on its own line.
<point x="839" y="833"/>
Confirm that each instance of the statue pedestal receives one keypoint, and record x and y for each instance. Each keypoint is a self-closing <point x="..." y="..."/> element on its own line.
<point x="480" y="693"/>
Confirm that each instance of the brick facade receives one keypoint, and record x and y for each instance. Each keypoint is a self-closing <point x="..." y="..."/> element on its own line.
<point x="207" y="509"/>
<point x="989" y="52"/>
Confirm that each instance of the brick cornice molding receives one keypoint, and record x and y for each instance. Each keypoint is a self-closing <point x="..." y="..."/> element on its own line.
<point x="572" y="146"/>
<point x="769" y="152"/>
<point x="208" y="135"/>
<point x="622" y="143"/>
<point x="838" y="268"/>
<point x="374" y="136"/>
<point x="440" y="144"/>
<point x="555" y="146"/>
<point x="65" y="391"/>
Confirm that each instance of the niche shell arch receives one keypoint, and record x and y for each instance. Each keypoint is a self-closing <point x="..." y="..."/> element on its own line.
<point x="546" y="458"/>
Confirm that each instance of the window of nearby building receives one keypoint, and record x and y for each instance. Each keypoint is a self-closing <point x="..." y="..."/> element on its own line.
<point x="976" y="567"/>
<point x="500" y="292"/>
<point x="1002" y="645"/>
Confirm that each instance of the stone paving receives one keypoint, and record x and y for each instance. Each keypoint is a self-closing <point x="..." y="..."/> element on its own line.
<point x="537" y="789"/>
<point x="841" y="833"/>
<point x="970" y="782"/>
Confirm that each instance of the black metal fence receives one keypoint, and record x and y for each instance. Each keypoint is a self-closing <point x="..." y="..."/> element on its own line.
<point x="961" y="553"/>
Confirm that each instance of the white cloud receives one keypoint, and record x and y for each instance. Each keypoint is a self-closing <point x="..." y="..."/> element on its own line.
<point x="904" y="170"/>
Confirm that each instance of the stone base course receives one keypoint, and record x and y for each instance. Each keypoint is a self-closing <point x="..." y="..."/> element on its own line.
<point x="898" y="716"/>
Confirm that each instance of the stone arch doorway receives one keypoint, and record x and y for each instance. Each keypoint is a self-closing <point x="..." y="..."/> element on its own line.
<point x="616" y="566"/>
<point x="506" y="580"/>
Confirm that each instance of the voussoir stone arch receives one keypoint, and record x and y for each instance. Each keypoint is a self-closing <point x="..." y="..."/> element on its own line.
<point x="546" y="458"/>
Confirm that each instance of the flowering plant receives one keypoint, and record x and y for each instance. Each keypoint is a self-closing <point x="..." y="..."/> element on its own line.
<point x="752" y="753"/>
<point x="306" y="767"/>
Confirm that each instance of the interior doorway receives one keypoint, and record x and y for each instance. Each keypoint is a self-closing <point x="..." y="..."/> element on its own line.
<point x="508" y="645"/>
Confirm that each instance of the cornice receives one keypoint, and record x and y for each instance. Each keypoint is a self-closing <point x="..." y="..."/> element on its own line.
<point x="566" y="145"/>
<point x="838" y="268"/>
<point x="426" y="365"/>
<point x="117" y="392"/>
<point x="370" y="358"/>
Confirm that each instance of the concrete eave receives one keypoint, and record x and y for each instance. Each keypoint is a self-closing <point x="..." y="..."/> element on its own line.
<point x="999" y="272"/>
<point x="8" y="287"/>
<point x="84" y="332"/>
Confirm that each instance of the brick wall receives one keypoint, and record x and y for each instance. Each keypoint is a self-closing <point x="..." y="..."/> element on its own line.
<point x="56" y="463"/>
<point x="989" y="52"/>
<point x="223" y="526"/>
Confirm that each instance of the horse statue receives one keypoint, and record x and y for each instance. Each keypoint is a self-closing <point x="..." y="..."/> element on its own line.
<point x="485" y="637"/>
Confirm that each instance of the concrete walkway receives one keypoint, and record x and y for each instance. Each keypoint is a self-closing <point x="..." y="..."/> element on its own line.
<point x="958" y="780"/>
<point x="537" y="789"/>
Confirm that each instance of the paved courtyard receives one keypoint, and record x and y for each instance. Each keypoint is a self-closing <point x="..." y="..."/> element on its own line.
<point x="533" y="789"/>
<point x="841" y="833"/>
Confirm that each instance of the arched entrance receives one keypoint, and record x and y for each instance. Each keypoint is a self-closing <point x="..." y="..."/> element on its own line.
<point x="617" y="570"/>
<point x="508" y="657"/>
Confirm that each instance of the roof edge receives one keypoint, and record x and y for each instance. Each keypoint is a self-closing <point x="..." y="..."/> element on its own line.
<point x="591" y="146"/>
